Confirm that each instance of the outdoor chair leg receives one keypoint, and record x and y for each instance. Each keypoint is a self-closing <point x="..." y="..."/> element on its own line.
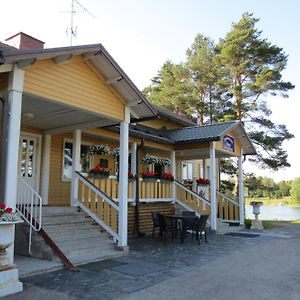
<point x="205" y="235"/>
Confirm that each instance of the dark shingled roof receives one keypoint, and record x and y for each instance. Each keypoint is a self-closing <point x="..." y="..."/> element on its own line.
<point x="211" y="132"/>
<point x="166" y="113"/>
<point x="195" y="134"/>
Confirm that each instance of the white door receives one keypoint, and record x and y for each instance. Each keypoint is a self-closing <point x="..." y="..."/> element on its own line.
<point x="28" y="160"/>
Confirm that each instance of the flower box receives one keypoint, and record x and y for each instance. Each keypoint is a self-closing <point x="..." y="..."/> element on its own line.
<point x="202" y="181"/>
<point x="98" y="175"/>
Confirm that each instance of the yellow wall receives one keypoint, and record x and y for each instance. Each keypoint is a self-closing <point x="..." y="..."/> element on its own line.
<point x="59" y="190"/>
<point x="237" y="145"/>
<point x="75" y="84"/>
<point x="161" y="123"/>
<point x="3" y="81"/>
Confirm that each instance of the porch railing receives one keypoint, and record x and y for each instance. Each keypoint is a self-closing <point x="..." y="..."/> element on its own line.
<point x="29" y="205"/>
<point x="191" y="200"/>
<point x="98" y="204"/>
<point x="228" y="208"/>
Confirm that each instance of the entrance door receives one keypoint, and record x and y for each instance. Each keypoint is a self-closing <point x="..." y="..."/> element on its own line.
<point x="28" y="160"/>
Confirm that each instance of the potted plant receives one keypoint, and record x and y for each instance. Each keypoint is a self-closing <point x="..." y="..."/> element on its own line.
<point x="167" y="177"/>
<point x="166" y="162"/>
<point x="99" y="150"/>
<point x="8" y="219"/>
<point x="99" y="172"/>
<point x="131" y="177"/>
<point x="149" y="176"/>
<point x="256" y="207"/>
<point x="202" y="181"/>
<point x="149" y="159"/>
<point x="256" y="223"/>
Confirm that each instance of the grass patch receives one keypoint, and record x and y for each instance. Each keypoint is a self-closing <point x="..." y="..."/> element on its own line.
<point x="295" y="222"/>
<point x="288" y="201"/>
<point x="270" y="224"/>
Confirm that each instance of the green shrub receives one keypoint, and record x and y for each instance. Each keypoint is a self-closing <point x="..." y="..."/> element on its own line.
<point x="248" y="223"/>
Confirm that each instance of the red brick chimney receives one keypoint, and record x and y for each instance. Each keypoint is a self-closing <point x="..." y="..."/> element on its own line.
<point x="24" y="41"/>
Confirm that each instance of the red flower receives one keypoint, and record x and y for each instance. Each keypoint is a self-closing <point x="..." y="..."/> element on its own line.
<point x="2" y="205"/>
<point x="8" y="210"/>
<point x="203" y="181"/>
<point x="167" y="176"/>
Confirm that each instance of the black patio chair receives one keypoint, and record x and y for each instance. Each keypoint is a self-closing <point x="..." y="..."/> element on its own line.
<point x="200" y="227"/>
<point x="165" y="226"/>
<point x="189" y="223"/>
<point x="155" y="221"/>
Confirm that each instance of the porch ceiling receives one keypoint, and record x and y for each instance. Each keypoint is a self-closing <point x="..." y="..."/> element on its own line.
<point x="198" y="154"/>
<point x="57" y="118"/>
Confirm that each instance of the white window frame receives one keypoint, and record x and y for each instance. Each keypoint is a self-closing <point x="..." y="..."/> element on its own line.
<point x="68" y="140"/>
<point x="187" y="162"/>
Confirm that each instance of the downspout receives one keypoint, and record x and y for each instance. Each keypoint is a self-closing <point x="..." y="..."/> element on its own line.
<point x="1" y="142"/>
<point x="137" y="191"/>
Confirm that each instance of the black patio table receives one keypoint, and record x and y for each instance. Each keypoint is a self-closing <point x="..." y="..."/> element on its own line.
<point x="184" y="220"/>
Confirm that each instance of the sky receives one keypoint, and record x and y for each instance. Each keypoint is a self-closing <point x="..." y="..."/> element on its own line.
<point x="142" y="34"/>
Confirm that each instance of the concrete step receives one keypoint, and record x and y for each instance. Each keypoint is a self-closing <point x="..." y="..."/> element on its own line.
<point x="65" y="219"/>
<point x="76" y="235"/>
<point x="107" y="254"/>
<point x="89" y="251"/>
<point x="59" y="210"/>
<point x="86" y="242"/>
<point x="69" y="228"/>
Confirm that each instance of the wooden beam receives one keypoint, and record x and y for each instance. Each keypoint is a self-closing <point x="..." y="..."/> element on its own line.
<point x="114" y="80"/>
<point x="25" y="63"/>
<point x="68" y="128"/>
<point x="62" y="58"/>
<point x="6" y="68"/>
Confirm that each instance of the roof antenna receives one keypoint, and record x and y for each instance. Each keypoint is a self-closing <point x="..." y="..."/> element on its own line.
<point x="73" y="30"/>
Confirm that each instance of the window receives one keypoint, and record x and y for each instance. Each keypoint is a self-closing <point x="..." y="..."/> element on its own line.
<point x="187" y="171"/>
<point x="103" y="163"/>
<point x="67" y="159"/>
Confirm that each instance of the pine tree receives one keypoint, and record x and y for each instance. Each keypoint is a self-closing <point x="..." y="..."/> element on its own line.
<point x="253" y="69"/>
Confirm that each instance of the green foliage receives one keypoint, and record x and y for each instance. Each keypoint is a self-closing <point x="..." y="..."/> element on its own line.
<point x="295" y="190"/>
<point x="227" y="186"/>
<point x="266" y="187"/>
<point x="230" y="80"/>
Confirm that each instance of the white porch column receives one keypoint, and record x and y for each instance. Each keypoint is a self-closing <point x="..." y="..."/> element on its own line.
<point x="212" y="178"/>
<point x="173" y="171"/>
<point x="9" y="279"/>
<point x="75" y="164"/>
<point x="204" y="168"/>
<point x="123" y="178"/>
<point x="241" y="190"/>
<point x="13" y="121"/>
<point x="46" y="167"/>
<point x="133" y="167"/>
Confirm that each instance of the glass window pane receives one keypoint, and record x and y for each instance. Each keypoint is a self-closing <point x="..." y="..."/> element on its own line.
<point x="23" y="158"/>
<point x="67" y="169"/>
<point x="30" y="159"/>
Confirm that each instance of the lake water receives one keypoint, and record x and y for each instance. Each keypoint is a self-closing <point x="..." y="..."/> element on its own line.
<point x="282" y="213"/>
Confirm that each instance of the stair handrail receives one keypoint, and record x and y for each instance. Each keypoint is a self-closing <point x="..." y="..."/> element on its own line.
<point x="103" y="196"/>
<point x="201" y="198"/>
<point x="29" y="205"/>
<point x="229" y="199"/>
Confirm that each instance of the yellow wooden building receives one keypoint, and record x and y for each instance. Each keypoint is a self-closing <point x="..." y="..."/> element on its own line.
<point x="58" y="103"/>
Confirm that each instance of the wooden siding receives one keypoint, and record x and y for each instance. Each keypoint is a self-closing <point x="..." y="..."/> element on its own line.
<point x="237" y="145"/>
<point x="145" y="210"/>
<point x="227" y="210"/>
<point x="3" y="81"/>
<point x="74" y="84"/>
<point x="158" y="124"/>
<point x="59" y="190"/>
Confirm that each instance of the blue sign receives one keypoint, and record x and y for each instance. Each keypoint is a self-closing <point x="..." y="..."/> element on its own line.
<point x="228" y="143"/>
